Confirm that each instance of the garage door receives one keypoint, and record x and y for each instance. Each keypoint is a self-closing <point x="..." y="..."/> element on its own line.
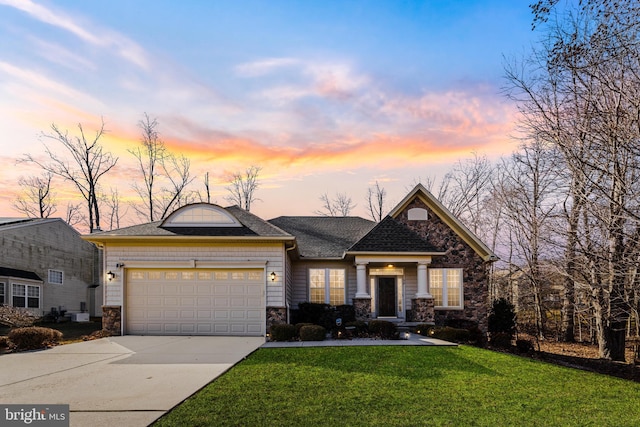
<point x="195" y="302"/>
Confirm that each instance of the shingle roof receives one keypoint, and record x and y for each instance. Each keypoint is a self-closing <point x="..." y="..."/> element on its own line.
<point x="251" y="226"/>
<point x="324" y="237"/>
<point x="390" y="235"/>
<point x="14" y="272"/>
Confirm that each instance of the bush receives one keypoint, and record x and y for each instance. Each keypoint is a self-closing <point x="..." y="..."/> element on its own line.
<point x="452" y="334"/>
<point x="313" y="333"/>
<point x="382" y="328"/>
<point x="310" y="312"/>
<point x="4" y="342"/>
<point x="501" y="340"/>
<point x="361" y="327"/>
<point x="346" y="312"/>
<point x="33" y="337"/>
<point x="299" y="326"/>
<point x="17" y="317"/>
<point x="502" y="318"/>
<point x="282" y="332"/>
<point x="524" y="346"/>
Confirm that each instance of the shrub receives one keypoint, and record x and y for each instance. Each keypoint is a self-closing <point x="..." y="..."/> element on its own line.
<point x="310" y="312"/>
<point x="16" y="317"/>
<point x="33" y="337"/>
<point x="299" y="326"/>
<point x="346" y="312"/>
<point x="282" y="332"/>
<point x="382" y="328"/>
<point x="501" y="340"/>
<point x="361" y="327"/>
<point x="4" y="342"/>
<point x="502" y="318"/>
<point x="313" y="333"/>
<point x="452" y="334"/>
<point x="524" y="346"/>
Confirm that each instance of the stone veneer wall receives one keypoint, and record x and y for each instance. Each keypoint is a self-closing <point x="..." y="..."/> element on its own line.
<point x="422" y="310"/>
<point x="459" y="255"/>
<point x="275" y="316"/>
<point x="112" y="319"/>
<point x="362" y="307"/>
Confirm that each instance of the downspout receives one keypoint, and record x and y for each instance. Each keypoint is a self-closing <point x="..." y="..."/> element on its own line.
<point x="295" y="245"/>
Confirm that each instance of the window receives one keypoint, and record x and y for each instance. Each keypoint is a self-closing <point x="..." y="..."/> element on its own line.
<point x="446" y="287"/>
<point x="2" y="294"/>
<point x="26" y="296"/>
<point x="327" y="286"/>
<point x="56" y="277"/>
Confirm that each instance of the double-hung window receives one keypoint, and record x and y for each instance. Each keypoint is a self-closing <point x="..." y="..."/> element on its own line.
<point x="3" y="293"/>
<point x="25" y="296"/>
<point x="446" y="287"/>
<point x="327" y="285"/>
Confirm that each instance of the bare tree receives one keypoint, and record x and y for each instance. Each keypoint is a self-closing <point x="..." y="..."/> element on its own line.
<point x="242" y="187"/>
<point x="74" y="214"/>
<point x="340" y="205"/>
<point x="581" y="92"/>
<point x="88" y="164"/>
<point x="150" y="156"/>
<point x="165" y="175"/>
<point x="376" y="199"/>
<point x="36" y="199"/>
<point x="114" y="214"/>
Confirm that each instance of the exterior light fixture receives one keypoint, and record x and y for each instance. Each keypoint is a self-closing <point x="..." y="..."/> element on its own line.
<point x="111" y="275"/>
<point x="390" y="265"/>
<point x="273" y="276"/>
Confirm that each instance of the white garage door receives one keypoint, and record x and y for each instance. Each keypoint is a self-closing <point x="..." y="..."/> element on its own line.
<point x="195" y="302"/>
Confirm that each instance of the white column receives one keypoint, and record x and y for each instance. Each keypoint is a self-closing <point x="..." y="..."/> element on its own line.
<point x="423" y="290"/>
<point x="361" y="280"/>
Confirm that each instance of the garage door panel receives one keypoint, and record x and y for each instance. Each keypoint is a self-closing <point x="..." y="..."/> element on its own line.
<point x="192" y="302"/>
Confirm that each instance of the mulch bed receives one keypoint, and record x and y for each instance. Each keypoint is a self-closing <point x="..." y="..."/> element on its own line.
<point x="584" y="356"/>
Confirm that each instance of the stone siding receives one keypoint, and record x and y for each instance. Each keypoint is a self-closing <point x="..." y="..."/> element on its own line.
<point x="362" y="307"/>
<point x="458" y="255"/>
<point x="422" y="310"/>
<point x="112" y="319"/>
<point x="276" y="316"/>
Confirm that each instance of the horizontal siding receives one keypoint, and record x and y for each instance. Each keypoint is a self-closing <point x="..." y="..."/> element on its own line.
<point x="271" y="253"/>
<point x="53" y="245"/>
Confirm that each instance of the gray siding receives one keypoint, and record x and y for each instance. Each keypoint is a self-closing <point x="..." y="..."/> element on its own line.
<point x="52" y="244"/>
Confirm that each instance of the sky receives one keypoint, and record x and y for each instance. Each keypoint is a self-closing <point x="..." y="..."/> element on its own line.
<point x="325" y="96"/>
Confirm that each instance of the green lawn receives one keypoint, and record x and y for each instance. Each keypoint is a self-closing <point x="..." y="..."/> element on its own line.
<point x="406" y="386"/>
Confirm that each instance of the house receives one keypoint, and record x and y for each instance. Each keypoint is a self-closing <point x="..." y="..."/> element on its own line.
<point x="223" y="271"/>
<point x="45" y="264"/>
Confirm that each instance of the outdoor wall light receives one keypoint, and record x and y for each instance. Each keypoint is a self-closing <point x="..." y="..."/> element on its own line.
<point x="111" y="275"/>
<point x="273" y="276"/>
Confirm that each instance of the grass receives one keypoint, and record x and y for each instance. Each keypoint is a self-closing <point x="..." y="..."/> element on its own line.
<point x="406" y="386"/>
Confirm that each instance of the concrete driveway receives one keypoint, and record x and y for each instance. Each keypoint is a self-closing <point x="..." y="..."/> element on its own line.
<point x="129" y="381"/>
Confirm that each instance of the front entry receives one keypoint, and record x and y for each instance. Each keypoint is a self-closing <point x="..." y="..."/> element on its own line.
<point x="387" y="297"/>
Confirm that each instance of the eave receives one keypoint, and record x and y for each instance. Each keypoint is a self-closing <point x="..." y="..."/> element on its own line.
<point x="104" y="239"/>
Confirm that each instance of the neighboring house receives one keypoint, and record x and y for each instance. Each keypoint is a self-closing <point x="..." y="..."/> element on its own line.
<point x="208" y="270"/>
<point x="45" y="264"/>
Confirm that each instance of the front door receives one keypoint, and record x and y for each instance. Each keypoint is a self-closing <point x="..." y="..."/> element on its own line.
<point x="387" y="297"/>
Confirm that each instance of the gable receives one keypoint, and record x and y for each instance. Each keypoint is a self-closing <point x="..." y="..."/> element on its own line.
<point x="391" y="236"/>
<point x="420" y="203"/>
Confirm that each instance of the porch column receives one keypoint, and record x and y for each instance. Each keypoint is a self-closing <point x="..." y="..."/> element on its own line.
<point x="361" y="280"/>
<point x="423" y="291"/>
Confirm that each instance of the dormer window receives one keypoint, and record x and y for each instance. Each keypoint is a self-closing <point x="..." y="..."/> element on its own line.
<point x="201" y="215"/>
<point x="417" y="214"/>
